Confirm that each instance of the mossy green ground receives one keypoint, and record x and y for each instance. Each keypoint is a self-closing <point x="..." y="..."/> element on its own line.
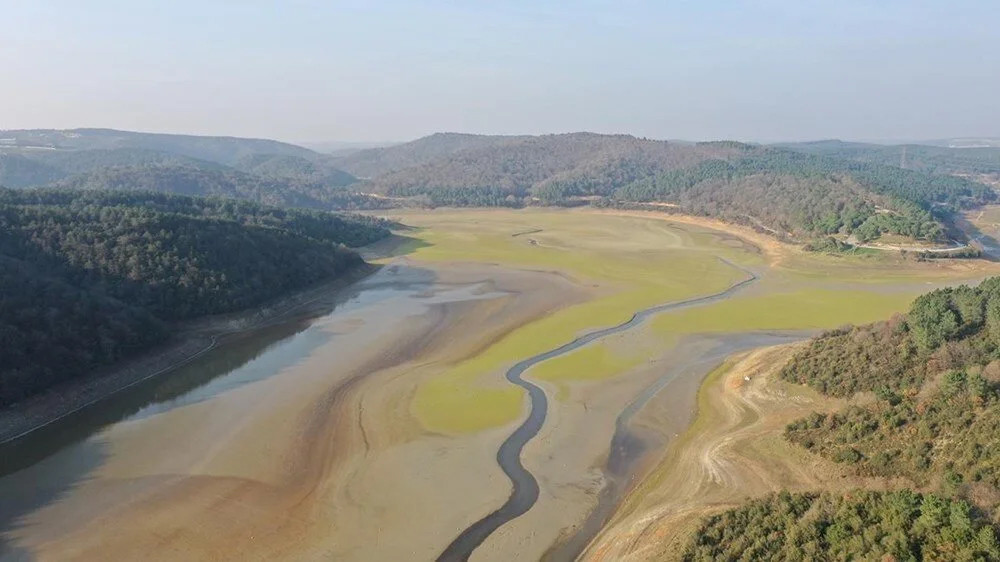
<point x="636" y="263"/>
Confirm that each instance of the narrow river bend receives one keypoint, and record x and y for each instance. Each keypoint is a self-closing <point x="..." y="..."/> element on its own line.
<point x="525" y="486"/>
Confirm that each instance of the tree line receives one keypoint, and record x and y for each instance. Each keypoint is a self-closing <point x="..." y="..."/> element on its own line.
<point x="91" y="277"/>
<point x="862" y="525"/>
<point x="932" y="421"/>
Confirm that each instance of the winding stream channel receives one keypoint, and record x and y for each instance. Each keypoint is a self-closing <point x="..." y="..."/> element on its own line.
<point x="525" y="486"/>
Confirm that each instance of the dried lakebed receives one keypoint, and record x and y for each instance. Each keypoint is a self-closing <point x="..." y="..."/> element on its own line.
<point x="525" y="487"/>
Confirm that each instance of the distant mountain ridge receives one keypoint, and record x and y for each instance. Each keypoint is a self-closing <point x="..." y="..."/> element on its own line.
<point x="937" y="159"/>
<point x="373" y="162"/>
<point x="224" y="150"/>
<point x="280" y="191"/>
<point x="776" y="189"/>
<point x="800" y="191"/>
<point x="260" y="170"/>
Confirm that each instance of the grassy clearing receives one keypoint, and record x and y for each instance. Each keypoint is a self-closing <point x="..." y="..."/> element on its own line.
<point x="633" y="263"/>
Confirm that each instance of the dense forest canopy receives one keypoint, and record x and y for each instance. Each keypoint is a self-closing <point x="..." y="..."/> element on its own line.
<point x="569" y="164"/>
<point x="863" y="525"/>
<point x="125" y="263"/>
<point x="791" y="194"/>
<point x="222" y="150"/>
<point x="807" y="195"/>
<point x="373" y="162"/>
<point x="318" y="170"/>
<point x="931" y="423"/>
<point x="934" y="159"/>
<point x="264" y="171"/>
<point x="830" y="194"/>
<point x="935" y="376"/>
<point x="185" y="180"/>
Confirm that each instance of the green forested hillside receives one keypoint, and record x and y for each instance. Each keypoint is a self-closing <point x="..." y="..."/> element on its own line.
<point x="794" y="195"/>
<point x="39" y="168"/>
<point x="374" y="162"/>
<point x="933" y="159"/>
<point x="19" y="171"/>
<point x="935" y="375"/>
<point x="863" y="525"/>
<point x="805" y="195"/>
<point x="549" y="166"/>
<point x="260" y="170"/>
<point x="319" y="170"/>
<point x="122" y="264"/>
<point x="931" y="423"/>
<point x="284" y="191"/>
<point x="223" y="150"/>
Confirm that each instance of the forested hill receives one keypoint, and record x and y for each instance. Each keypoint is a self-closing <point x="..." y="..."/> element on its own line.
<point x="89" y="278"/>
<point x="373" y="162"/>
<point x="804" y="195"/>
<point x="936" y="376"/>
<point x="223" y="150"/>
<point x="310" y="190"/>
<point x="933" y="159"/>
<point x="847" y="191"/>
<point x="801" y="196"/>
<point x="547" y="165"/>
<point x="265" y="171"/>
<point x="930" y="422"/>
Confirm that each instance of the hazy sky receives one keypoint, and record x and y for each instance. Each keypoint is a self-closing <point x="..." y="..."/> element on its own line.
<point x="362" y="71"/>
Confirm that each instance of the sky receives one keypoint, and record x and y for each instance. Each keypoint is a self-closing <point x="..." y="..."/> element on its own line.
<point x="391" y="71"/>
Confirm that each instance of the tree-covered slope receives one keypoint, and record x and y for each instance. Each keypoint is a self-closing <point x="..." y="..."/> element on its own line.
<point x="374" y="162"/>
<point x="284" y="191"/>
<point x="935" y="376"/>
<point x="19" y="171"/>
<point x="550" y="166"/>
<point x="862" y="525"/>
<point x="805" y="195"/>
<point x="316" y="170"/>
<point x="223" y="150"/>
<point x="930" y="421"/>
<point x="119" y="265"/>
<point x="262" y="170"/>
<point x="36" y="168"/>
<point x="924" y="158"/>
<point x="791" y="194"/>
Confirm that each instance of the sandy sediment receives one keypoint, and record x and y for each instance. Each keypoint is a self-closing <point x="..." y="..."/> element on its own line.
<point x="188" y="341"/>
<point x="323" y="460"/>
<point x="733" y="450"/>
<point x="569" y="454"/>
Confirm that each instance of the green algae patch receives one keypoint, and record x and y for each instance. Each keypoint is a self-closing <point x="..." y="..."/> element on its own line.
<point x="593" y="362"/>
<point x="631" y="263"/>
<point x="452" y="404"/>
<point x="795" y="310"/>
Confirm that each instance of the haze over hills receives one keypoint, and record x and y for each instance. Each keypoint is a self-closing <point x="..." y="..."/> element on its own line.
<point x="789" y="194"/>
<point x="799" y="191"/>
<point x="947" y="159"/>
<point x="224" y="150"/>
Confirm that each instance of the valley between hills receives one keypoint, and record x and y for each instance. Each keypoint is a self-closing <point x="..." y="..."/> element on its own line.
<point x="339" y="431"/>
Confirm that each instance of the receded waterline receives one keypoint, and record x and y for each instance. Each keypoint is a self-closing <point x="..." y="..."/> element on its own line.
<point x="525" y="486"/>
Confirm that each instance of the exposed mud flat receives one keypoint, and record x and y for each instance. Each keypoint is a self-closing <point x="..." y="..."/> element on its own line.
<point x="307" y="440"/>
<point x="305" y="450"/>
<point x="733" y="450"/>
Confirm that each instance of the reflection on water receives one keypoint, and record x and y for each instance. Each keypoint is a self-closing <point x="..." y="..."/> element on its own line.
<point x="48" y="463"/>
